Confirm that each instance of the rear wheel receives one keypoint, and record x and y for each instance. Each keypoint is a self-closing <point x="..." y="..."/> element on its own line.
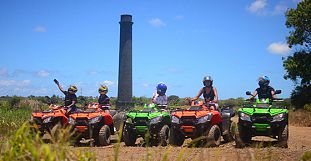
<point x="231" y="132"/>
<point x="176" y="138"/>
<point x="163" y="135"/>
<point x="242" y="137"/>
<point x="129" y="136"/>
<point x="104" y="136"/>
<point x="214" y="136"/>
<point x="283" y="137"/>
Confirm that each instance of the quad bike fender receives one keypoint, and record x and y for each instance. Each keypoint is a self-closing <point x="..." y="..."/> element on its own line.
<point x="216" y="118"/>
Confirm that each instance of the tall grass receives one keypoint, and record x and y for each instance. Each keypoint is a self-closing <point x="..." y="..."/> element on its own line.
<point x="26" y="145"/>
<point x="12" y="118"/>
<point x="300" y="118"/>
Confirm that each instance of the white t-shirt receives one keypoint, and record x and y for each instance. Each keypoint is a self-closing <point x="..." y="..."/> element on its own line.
<point x="160" y="100"/>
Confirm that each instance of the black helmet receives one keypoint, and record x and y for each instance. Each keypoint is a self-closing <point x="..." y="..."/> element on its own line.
<point x="263" y="81"/>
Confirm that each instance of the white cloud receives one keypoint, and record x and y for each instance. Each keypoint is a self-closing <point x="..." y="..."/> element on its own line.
<point x="156" y="22"/>
<point x="7" y="83"/>
<point x="258" y="6"/>
<point x="43" y="73"/>
<point x="279" y="9"/>
<point x="3" y="72"/>
<point x="40" y="29"/>
<point x="108" y="83"/>
<point x="278" y="48"/>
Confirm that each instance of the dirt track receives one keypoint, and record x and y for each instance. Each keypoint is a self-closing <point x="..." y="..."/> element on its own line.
<point x="299" y="142"/>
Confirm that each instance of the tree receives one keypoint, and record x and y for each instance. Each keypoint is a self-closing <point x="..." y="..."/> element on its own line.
<point x="173" y="100"/>
<point x="298" y="66"/>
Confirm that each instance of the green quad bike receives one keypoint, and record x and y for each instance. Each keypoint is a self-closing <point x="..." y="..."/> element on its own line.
<point x="262" y="117"/>
<point x="152" y="123"/>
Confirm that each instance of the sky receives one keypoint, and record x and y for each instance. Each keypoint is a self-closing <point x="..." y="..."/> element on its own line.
<point x="177" y="42"/>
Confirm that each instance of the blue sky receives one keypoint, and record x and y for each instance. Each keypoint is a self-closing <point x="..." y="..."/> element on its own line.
<point x="177" y="42"/>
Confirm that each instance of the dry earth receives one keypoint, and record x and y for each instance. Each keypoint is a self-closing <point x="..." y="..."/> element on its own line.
<point x="299" y="142"/>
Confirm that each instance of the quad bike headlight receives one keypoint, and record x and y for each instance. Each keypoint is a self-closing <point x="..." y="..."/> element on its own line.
<point x="278" y="117"/>
<point x="156" y="120"/>
<point x="71" y="121"/>
<point x="245" y="117"/>
<point x="95" y="120"/>
<point x="47" y="120"/>
<point x="204" y="119"/>
<point x="175" y="120"/>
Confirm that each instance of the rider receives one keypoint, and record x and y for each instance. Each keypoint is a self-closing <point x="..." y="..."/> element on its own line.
<point x="209" y="92"/>
<point x="70" y="97"/>
<point x="264" y="91"/>
<point x="159" y="96"/>
<point x="103" y="99"/>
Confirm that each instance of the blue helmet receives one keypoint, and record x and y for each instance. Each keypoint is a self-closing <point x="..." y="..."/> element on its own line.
<point x="263" y="81"/>
<point x="161" y="88"/>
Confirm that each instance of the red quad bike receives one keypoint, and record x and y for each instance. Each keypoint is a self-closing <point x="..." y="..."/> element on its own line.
<point x="204" y="126"/>
<point x="93" y="126"/>
<point x="47" y="122"/>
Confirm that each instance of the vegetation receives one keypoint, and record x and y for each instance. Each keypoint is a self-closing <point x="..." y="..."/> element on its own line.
<point x="298" y="66"/>
<point x="25" y="145"/>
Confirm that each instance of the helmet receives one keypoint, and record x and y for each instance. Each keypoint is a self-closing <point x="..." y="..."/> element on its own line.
<point x="207" y="79"/>
<point x="103" y="88"/>
<point x="73" y="89"/>
<point x="263" y="81"/>
<point x="161" y="88"/>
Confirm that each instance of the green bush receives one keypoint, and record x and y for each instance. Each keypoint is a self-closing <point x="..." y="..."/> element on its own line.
<point x="306" y="156"/>
<point x="307" y="107"/>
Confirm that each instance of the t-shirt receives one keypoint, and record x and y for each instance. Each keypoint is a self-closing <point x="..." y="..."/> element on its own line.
<point x="69" y="98"/>
<point x="103" y="99"/>
<point x="264" y="92"/>
<point x="159" y="100"/>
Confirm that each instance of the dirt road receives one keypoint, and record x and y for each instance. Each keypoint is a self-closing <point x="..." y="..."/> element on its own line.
<point x="299" y="142"/>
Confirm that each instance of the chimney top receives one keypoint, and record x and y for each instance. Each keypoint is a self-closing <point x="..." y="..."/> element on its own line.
<point x="126" y="18"/>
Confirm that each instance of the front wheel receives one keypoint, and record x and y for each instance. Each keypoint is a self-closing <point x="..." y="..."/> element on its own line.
<point x="231" y="133"/>
<point x="163" y="135"/>
<point x="283" y="137"/>
<point x="104" y="136"/>
<point x="128" y="136"/>
<point x="242" y="136"/>
<point x="214" y="136"/>
<point x="176" y="138"/>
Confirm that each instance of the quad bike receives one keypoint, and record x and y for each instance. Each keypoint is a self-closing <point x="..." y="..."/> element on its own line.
<point x="262" y="118"/>
<point x="204" y="126"/>
<point x="47" y="122"/>
<point x="93" y="126"/>
<point x="152" y="123"/>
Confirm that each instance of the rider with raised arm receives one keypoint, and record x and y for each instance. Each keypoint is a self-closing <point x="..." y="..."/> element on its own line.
<point x="209" y="92"/>
<point x="70" y="97"/>
<point x="264" y="91"/>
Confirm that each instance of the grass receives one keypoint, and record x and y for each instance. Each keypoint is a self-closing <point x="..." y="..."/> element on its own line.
<point x="300" y="118"/>
<point x="26" y="145"/>
<point x="12" y="118"/>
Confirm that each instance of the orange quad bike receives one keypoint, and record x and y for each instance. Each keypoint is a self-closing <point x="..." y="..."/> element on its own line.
<point x="93" y="126"/>
<point x="45" y="122"/>
<point x="204" y="126"/>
